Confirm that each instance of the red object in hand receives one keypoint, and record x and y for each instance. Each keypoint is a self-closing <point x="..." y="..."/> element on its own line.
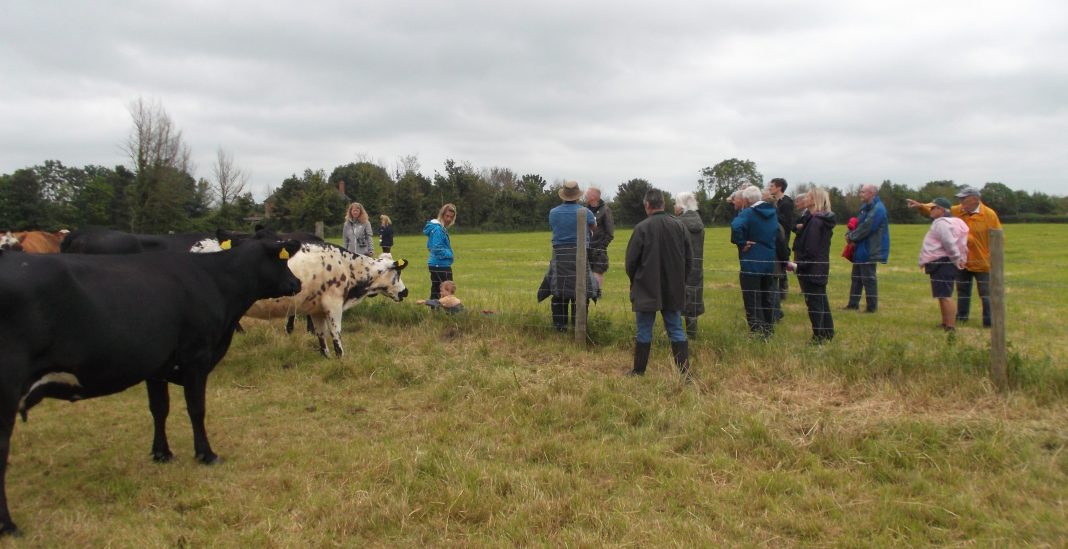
<point x="848" y="251"/>
<point x="852" y="223"/>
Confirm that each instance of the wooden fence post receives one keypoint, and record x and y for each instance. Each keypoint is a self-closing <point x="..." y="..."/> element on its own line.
<point x="319" y="229"/>
<point x="580" y="278"/>
<point x="998" y="350"/>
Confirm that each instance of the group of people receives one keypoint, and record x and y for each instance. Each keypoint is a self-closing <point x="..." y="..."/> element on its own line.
<point x="357" y="236"/>
<point x="665" y="268"/>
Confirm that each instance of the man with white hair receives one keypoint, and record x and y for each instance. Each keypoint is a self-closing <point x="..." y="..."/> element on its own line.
<point x="603" y="233"/>
<point x="872" y="240"/>
<point x="686" y="211"/>
<point x="755" y="230"/>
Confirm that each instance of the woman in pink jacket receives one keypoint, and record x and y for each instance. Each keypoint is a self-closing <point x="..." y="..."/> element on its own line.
<point x="943" y="255"/>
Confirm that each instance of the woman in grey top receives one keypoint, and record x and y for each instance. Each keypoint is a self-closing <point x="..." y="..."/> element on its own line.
<point x="686" y="210"/>
<point x="357" y="234"/>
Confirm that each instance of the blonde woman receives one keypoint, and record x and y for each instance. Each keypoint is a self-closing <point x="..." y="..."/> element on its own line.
<point x="812" y="252"/>
<point x="385" y="233"/>
<point x="357" y="235"/>
<point x="440" y="248"/>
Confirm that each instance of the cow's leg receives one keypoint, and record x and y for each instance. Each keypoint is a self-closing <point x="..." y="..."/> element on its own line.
<point x="7" y="426"/>
<point x="333" y="321"/>
<point x="195" y="388"/>
<point x="289" y="324"/>
<point x="319" y="323"/>
<point x="159" y="403"/>
<point x="311" y="327"/>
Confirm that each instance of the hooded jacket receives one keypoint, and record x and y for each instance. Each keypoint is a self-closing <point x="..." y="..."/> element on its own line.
<point x="438" y="244"/>
<point x="812" y="248"/>
<point x="758" y="224"/>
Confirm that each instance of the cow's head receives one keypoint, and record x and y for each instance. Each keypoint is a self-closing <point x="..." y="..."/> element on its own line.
<point x="9" y="242"/>
<point x="386" y="280"/>
<point x="273" y="277"/>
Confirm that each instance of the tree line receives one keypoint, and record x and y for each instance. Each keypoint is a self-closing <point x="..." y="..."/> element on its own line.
<point x="158" y="193"/>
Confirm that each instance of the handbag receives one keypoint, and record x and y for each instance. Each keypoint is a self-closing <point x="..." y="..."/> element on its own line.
<point x="848" y="251"/>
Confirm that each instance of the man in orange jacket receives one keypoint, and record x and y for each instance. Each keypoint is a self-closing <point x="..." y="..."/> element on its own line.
<point x="980" y="218"/>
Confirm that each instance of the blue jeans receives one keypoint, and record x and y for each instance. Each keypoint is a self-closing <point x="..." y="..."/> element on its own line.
<point x="964" y="294"/>
<point x="672" y="323"/>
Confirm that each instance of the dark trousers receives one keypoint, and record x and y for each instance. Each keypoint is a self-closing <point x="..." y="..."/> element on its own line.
<point x="964" y="294"/>
<point x="437" y="276"/>
<point x="819" y="309"/>
<point x="777" y="296"/>
<point x="560" y="306"/>
<point x="864" y="279"/>
<point x="756" y="296"/>
<point x="784" y="286"/>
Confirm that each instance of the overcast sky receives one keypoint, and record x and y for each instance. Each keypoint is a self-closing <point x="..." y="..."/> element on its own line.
<point x="834" y="92"/>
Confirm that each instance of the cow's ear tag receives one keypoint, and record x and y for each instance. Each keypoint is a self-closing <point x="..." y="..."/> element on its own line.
<point x="402" y="264"/>
<point x="225" y="244"/>
<point x="283" y="254"/>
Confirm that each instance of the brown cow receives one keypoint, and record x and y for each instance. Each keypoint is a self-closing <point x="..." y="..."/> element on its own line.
<point x="40" y="242"/>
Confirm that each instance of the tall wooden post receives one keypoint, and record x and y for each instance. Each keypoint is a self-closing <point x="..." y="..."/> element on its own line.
<point x="998" y="351"/>
<point x="580" y="278"/>
<point x="319" y="229"/>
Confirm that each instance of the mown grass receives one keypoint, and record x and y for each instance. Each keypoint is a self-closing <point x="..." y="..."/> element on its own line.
<point x="490" y="429"/>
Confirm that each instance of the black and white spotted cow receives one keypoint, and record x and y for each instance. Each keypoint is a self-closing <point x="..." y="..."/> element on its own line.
<point x="333" y="280"/>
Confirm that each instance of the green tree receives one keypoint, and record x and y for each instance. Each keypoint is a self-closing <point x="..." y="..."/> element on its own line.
<point x="302" y="201"/>
<point x="1000" y="198"/>
<point x="366" y="183"/>
<point x="22" y="205"/>
<point x="412" y="202"/>
<point x="721" y="180"/>
<point x="935" y="189"/>
<point x="163" y="189"/>
<point x="628" y="205"/>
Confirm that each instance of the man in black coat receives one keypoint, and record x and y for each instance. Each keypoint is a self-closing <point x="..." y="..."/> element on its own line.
<point x="659" y="255"/>
<point x="785" y="207"/>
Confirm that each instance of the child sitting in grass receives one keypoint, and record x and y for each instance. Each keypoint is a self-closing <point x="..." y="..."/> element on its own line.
<point x="447" y="301"/>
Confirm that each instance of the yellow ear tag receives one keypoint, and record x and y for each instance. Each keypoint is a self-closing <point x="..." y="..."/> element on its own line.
<point x="283" y="254"/>
<point x="225" y="244"/>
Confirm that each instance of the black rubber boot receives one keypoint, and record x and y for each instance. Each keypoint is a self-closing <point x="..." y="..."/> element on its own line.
<point x="681" y="351"/>
<point x="691" y="327"/>
<point x="641" y="358"/>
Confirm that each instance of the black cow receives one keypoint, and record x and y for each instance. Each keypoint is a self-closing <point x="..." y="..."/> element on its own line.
<point x="108" y="241"/>
<point x="83" y="326"/>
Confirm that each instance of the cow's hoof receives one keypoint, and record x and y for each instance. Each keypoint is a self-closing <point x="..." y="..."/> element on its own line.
<point x="10" y="530"/>
<point x="162" y="457"/>
<point x="208" y="459"/>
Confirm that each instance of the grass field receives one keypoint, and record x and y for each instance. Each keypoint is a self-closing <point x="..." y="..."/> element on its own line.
<point x="493" y="429"/>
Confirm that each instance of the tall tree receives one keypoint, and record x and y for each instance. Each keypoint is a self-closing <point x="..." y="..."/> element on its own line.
<point x="1001" y="198"/>
<point x="162" y="165"/>
<point x="22" y="204"/>
<point x="366" y="183"/>
<point x="627" y="206"/>
<point x="719" y="181"/>
<point x="230" y="180"/>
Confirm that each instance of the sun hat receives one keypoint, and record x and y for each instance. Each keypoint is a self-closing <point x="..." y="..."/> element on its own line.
<point x="570" y="191"/>
<point x="967" y="190"/>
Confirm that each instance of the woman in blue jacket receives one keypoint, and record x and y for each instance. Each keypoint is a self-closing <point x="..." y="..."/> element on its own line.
<point x="755" y="230"/>
<point x="440" y="248"/>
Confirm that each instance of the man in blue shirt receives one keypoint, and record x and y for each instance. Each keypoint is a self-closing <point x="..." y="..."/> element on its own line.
<point x="560" y="279"/>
